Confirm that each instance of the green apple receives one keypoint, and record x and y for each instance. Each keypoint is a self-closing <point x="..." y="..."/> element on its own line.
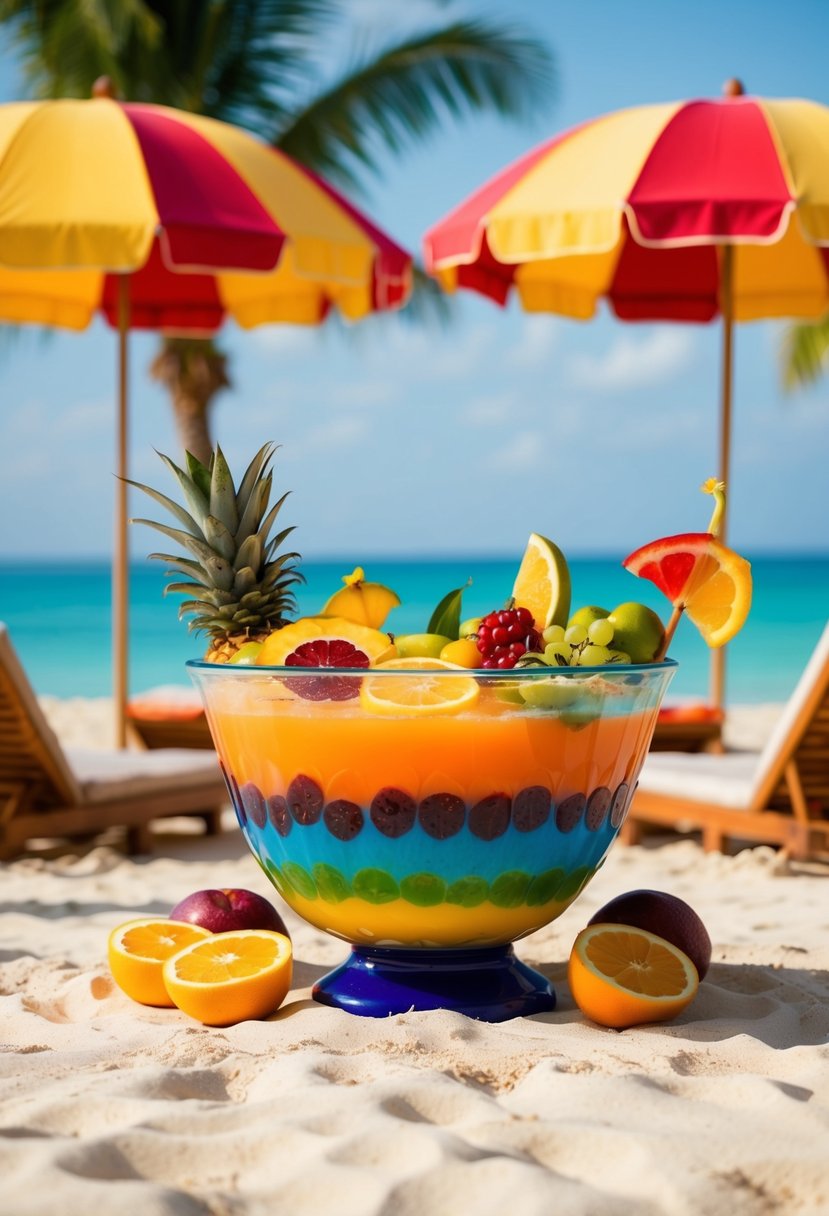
<point x="420" y="645"/>
<point x="246" y="655"/>
<point x="637" y="630"/>
<point x="587" y="615"/>
<point x="469" y="626"/>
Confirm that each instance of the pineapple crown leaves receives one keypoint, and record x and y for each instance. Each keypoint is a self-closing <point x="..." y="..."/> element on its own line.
<point x="235" y="573"/>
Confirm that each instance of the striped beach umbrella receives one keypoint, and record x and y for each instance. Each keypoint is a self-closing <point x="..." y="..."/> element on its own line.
<point x="686" y="211"/>
<point x="160" y="219"/>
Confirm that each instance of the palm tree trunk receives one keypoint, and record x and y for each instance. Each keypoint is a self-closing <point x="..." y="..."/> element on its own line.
<point x="193" y="425"/>
<point x="193" y="370"/>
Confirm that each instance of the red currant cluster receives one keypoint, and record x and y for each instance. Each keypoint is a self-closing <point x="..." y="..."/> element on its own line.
<point x="504" y="636"/>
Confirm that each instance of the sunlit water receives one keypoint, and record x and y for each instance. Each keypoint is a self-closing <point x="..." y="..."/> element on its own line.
<point x="59" y="618"/>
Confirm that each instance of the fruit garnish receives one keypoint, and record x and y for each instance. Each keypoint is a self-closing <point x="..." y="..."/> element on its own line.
<point x="464" y="652"/>
<point x="246" y="655"/>
<point x="667" y="915"/>
<point x="542" y="584"/>
<point x="469" y="628"/>
<point x="420" y="645"/>
<point x="137" y="950"/>
<point x="231" y="908"/>
<point x="446" y="618"/>
<point x="241" y="580"/>
<point x="230" y="977"/>
<point x="588" y="614"/>
<point x="441" y="689"/>
<point x="699" y="575"/>
<point x="504" y="636"/>
<point x="364" y="603"/>
<point x="622" y="976"/>
<point x="325" y="642"/>
<point x="636" y="629"/>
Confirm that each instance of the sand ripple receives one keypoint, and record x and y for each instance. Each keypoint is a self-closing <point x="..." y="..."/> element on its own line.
<point x="110" y="1108"/>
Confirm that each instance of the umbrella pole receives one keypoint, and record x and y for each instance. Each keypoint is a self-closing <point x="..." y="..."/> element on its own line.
<point x="717" y="689"/>
<point x="120" y="568"/>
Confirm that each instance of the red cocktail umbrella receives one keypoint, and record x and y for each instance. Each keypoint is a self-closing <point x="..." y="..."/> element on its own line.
<point x="687" y="211"/>
<point x="165" y="220"/>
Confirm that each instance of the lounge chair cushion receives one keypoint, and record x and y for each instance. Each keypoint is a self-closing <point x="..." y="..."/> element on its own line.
<point x="110" y="776"/>
<point x="722" y="780"/>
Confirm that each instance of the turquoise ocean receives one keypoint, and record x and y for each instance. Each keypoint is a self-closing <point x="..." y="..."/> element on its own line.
<point x="58" y="617"/>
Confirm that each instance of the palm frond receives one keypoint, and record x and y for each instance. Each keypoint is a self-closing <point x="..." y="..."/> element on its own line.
<point x="805" y="353"/>
<point x="404" y="94"/>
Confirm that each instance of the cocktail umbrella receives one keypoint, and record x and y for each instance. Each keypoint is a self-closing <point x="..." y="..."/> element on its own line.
<point x="686" y="211"/>
<point x="165" y="220"/>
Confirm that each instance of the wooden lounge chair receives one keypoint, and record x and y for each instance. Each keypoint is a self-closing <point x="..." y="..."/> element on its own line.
<point x="47" y="791"/>
<point x="169" y="716"/>
<point x="173" y="717"/>
<point x="779" y="795"/>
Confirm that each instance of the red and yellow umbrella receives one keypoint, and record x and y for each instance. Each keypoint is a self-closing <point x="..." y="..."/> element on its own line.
<point x="685" y="211"/>
<point x="164" y="220"/>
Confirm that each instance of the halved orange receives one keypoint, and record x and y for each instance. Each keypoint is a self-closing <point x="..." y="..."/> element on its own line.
<point x="231" y="977"/>
<point x="699" y="573"/>
<point x="542" y="584"/>
<point x="432" y="686"/>
<point x="620" y="976"/>
<point x="138" y="949"/>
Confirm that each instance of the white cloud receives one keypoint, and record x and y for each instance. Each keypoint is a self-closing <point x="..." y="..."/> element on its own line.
<point x="633" y="362"/>
<point x="489" y="411"/>
<point x="286" y="341"/>
<point x="539" y="337"/>
<point x="526" y="450"/>
<point x="359" y="393"/>
<point x="337" y="433"/>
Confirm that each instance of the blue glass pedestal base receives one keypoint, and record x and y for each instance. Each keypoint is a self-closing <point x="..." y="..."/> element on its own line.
<point x="490" y="984"/>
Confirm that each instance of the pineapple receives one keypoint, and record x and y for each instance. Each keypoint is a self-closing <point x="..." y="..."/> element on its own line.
<point x="241" y="581"/>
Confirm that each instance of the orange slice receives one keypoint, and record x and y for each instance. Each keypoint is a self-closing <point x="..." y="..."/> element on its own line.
<point x="231" y="977"/>
<point x="137" y="951"/>
<point x="620" y="976"/>
<point x="542" y="584"/>
<point x="699" y="573"/>
<point x="432" y="686"/>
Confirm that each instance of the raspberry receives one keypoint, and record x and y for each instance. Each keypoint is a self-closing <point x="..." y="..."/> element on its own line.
<point x="504" y="636"/>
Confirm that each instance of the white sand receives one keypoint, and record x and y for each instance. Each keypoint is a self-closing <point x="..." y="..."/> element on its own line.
<point x="110" y="1107"/>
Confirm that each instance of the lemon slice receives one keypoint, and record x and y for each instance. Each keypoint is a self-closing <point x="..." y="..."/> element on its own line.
<point x="542" y="584"/>
<point x="423" y="686"/>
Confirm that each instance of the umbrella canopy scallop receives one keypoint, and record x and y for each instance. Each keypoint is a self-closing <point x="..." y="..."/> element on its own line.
<point x="635" y="207"/>
<point x="206" y="220"/>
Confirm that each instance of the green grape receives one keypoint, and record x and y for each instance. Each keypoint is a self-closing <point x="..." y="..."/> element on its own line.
<point x="600" y="632"/>
<point x="558" y="654"/>
<point x="553" y="633"/>
<point x="618" y="656"/>
<point x="575" y="635"/>
<point x="593" y="656"/>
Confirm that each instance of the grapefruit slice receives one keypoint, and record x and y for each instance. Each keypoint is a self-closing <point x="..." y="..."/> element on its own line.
<point x="316" y="642"/>
<point x="701" y="575"/>
<point x="542" y="584"/>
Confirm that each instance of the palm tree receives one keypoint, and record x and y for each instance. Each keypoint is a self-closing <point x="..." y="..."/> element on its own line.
<point x="805" y="356"/>
<point x="257" y="63"/>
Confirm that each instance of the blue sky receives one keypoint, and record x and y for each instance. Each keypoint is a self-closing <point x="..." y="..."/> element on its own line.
<point x="398" y="440"/>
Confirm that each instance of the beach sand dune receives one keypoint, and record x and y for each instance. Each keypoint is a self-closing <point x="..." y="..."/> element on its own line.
<point x="110" y="1107"/>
